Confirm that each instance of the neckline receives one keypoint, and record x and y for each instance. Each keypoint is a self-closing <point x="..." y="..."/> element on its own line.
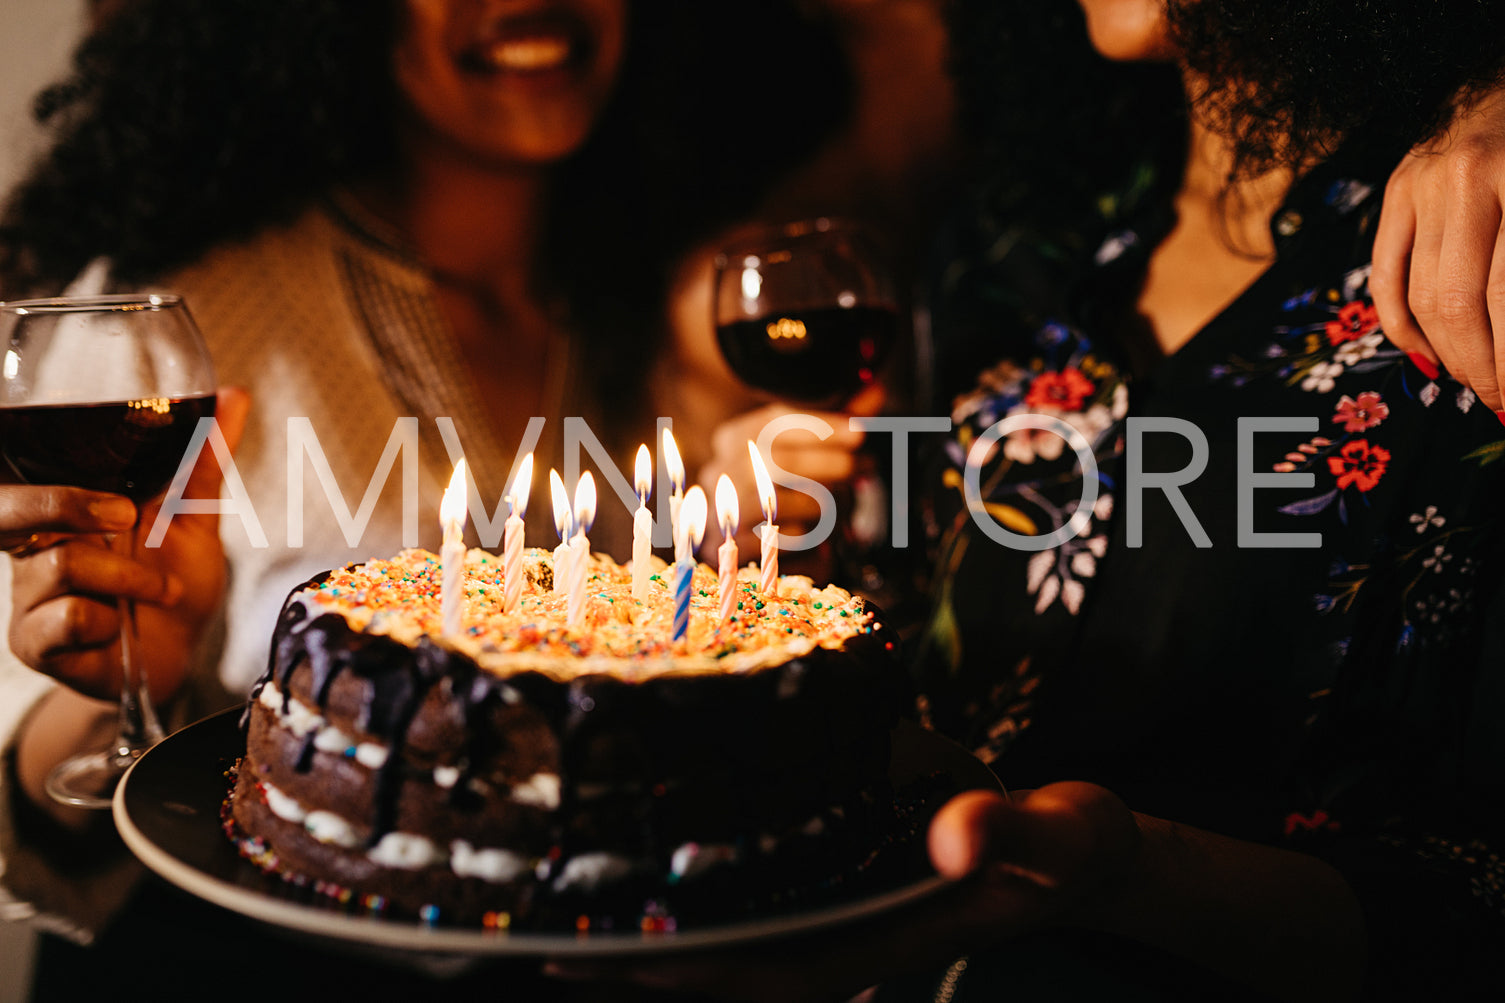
<point x="1307" y="208"/>
<point x="373" y="231"/>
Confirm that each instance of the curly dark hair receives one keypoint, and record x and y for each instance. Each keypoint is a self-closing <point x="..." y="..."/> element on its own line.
<point x="1058" y="125"/>
<point x="184" y="124"/>
<point x="1316" y="73"/>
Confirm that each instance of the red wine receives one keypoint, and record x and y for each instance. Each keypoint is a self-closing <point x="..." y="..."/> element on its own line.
<point x="820" y="356"/>
<point x="131" y="448"/>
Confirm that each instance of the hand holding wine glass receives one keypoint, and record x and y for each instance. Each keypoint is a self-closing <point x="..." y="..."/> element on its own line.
<point x="808" y="313"/>
<point x="100" y="395"/>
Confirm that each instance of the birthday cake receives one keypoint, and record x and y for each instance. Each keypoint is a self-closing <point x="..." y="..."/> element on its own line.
<point x="531" y="770"/>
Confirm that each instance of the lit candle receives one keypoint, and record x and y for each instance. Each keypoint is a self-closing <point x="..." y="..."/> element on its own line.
<point x="580" y="547"/>
<point x="452" y="553"/>
<point x="692" y="526"/>
<point x="676" y="470"/>
<point x="770" y="530"/>
<point x="512" y="538"/>
<point x="562" y="521"/>
<point x="642" y="524"/>
<point x="726" y="516"/>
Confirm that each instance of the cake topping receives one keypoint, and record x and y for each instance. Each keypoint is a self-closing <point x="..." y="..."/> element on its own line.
<point x="401" y="598"/>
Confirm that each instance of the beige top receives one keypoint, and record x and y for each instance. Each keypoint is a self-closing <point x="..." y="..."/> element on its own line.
<point x="332" y="328"/>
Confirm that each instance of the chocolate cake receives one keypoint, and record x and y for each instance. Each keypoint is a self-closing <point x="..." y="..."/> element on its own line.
<point x="529" y="773"/>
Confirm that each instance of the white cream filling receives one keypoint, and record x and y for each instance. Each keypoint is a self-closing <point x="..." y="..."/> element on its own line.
<point x="540" y="790"/>
<point x="283" y="806"/>
<point x="495" y="865"/>
<point x="588" y="871"/>
<point x="327" y="827"/>
<point x="407" y="852"/>
<point x="400" y="850"/>
<point x="583" y="872"/>
<point x="694" y="859"/>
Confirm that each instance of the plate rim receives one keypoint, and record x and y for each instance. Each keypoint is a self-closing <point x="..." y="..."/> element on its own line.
<point x="416" y="936"/>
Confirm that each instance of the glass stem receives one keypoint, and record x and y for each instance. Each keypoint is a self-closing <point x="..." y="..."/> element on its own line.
<point x="139" y="729"/>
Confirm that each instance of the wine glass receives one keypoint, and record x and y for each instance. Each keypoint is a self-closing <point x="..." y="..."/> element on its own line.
<point x="807" y="312"/>
<point x="104" y="393"/>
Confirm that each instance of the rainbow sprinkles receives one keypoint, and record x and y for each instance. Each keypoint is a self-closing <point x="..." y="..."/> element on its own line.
<point x="615" y="633"/>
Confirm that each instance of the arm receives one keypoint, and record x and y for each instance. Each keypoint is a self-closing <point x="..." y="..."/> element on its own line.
<point x="1072" y="854"/>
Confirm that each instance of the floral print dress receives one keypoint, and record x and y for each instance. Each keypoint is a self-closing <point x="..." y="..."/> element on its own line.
<point x="1280" y="616"/>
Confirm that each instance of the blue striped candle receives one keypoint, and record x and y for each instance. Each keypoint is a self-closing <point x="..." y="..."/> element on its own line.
<point x="684" y="573"/>
<point x="692" y="516"/>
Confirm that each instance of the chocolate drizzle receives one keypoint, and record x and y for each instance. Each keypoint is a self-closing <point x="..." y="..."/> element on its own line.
<point x="479" y="700"/>
<point x="632" y="739"/>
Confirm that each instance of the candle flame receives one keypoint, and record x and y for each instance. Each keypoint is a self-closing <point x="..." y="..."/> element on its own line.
<point x="561" y="504"/>
<point x="726" y="506"/>
<point x="585" y="503"/>
<point x="642" y="473"/>
<point x="522" y="486"/>
<point x="452" y="507"/>
<point x="673" y="464"/>
<point x="766" y="495"/>
<point x="692" y="517"/>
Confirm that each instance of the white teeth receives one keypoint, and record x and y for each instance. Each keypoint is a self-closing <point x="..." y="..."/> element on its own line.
<point x="527" y="54"/>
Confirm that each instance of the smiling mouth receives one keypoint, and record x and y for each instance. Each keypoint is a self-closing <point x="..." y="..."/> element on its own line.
<point x="528" y="55"/>
<point x="527" y="44"/>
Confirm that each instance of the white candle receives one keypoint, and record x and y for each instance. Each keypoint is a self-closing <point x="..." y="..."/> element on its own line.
<point x="562" y="519"/>
<point x="580" y="548"/>
<point x="770" y="531"/>
<point x="727" y="517"/>
<point x="642" y="524"/>
<point x="452" y="554"/>
<point x="675" y="467"/>
<point x="692" y="527"/>
<point x="512" y="535"/>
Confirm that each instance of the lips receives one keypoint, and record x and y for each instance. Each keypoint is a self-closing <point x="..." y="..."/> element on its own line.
<point x="527" y="43"/>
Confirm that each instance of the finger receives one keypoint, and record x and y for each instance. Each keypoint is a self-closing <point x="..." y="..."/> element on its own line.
<point x="1064" y="834"/>
<point x="71" y="639"/>
<point x="797" y="511"/>
<point x="961" y="833"/>
<point x="84" y="567"/>
<point x="232" y="405"/>
<point x="26" y="509"/>
<point x="868" y="402"/>
<point x="23" y="544"/>
<point x="828" y="466"/>
<point x="756" y="421"/>
<point x="1424" y="290"/>
<point x="1468" y="249"/>
<point x="797" y="440"/>
<point x="1494" y="396"/>
<point x="1390" y="271"/>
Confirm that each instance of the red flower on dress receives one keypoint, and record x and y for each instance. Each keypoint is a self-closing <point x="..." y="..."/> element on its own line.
<point x="1067" y="390"/>
<point x="1355" y="320"/>
<point x="1318" y="819"/>
<point x="1365" y="412"/>
<point x="1360" y="464"/>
